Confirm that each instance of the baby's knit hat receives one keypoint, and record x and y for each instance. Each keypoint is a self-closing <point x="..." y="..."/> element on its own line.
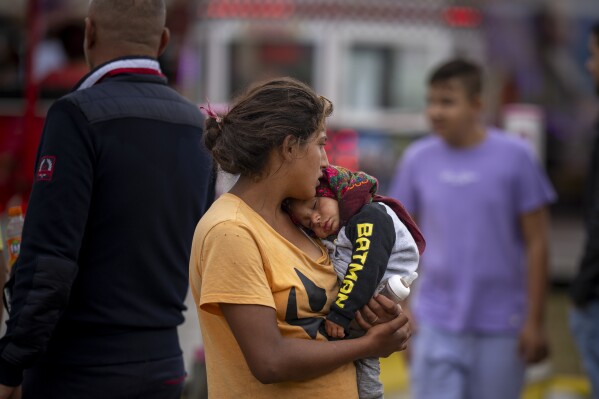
<point x="352" y="190"/>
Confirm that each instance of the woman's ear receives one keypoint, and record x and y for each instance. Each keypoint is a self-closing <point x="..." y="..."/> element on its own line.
<point x="289" y="148"/>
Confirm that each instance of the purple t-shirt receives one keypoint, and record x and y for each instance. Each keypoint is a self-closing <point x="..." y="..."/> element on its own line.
<point x="467" y="203"/>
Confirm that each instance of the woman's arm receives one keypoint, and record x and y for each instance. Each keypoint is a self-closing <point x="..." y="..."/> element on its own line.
<point x="273" y="358"/>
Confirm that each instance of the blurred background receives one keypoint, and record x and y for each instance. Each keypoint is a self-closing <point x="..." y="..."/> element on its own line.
<point x="372" y="59"/>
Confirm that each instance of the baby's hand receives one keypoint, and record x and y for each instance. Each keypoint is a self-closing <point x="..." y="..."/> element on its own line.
<point x="333" y="329"/>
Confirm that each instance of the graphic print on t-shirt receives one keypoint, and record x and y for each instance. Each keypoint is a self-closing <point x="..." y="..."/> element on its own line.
<point x="317" y="298"/>
<point x="458" y="178"/>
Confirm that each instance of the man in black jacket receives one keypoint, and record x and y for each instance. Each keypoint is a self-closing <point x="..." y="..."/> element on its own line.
<point x="122" y="178"/>
<point x="584" y="319"/>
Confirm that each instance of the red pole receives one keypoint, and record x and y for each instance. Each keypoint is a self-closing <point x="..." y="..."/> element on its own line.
<point x="32" y="39"/>
<point x="30" y="133"/>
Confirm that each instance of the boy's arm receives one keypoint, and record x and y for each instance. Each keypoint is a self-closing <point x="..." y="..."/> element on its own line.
<point x="372" y="235"/>
<point x="533" y="342"/>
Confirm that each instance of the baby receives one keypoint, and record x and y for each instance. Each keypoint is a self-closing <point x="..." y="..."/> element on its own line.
<point x="369" y="237"/>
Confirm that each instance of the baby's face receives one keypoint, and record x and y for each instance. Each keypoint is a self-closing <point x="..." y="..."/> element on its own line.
<point x="319" y="214"/>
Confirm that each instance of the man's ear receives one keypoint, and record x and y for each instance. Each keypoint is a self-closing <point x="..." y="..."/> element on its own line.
<point x="164" y="39"/>
<point x="90" y="34"/>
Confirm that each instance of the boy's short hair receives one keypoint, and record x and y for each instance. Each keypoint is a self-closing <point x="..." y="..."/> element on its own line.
<point x="468" y="73"/>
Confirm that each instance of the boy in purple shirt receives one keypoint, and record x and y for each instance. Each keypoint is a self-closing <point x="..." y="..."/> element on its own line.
<point x="481" y="200"/>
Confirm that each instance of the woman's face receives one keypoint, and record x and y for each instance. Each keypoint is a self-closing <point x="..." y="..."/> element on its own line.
<point x="308" y="166"/>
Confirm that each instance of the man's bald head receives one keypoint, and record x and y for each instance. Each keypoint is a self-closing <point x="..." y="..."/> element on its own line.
<point x="134" y="27"/>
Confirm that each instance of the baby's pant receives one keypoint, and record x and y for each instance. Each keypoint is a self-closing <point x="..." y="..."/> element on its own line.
<point x="368" y="372"/>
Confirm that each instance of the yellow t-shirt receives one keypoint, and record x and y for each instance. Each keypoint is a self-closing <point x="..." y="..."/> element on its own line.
<point x="238" y="258"/>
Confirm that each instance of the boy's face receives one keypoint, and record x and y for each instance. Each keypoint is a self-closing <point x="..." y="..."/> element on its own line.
<point x="593" y="61"/>
<point x="451" y="111"/>
<point x="319" y="214"/>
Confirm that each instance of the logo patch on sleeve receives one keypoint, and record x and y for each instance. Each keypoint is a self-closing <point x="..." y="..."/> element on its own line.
<point x="46" y="168"/>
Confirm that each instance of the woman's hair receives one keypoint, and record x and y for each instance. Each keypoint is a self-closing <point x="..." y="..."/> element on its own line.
<point x="259" y="120"/>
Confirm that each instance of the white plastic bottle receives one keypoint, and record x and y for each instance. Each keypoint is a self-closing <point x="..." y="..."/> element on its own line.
<point x="396" y="288"/>
<point x="14" y="229"/>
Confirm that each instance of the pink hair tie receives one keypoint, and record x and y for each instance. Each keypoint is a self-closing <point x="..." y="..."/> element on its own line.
<point x="210" y="112"/>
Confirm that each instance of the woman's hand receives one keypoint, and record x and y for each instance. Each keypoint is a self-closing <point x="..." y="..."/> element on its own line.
<point x="388" y="328"/>
<point x="379" y="309"/>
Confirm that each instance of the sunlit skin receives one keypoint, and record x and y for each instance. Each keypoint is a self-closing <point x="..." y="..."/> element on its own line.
<point x="592" y="63"/>
<point x="454" y="114"/>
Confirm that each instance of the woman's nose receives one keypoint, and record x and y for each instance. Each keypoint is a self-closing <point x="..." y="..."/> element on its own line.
<point x="324" y="160"/>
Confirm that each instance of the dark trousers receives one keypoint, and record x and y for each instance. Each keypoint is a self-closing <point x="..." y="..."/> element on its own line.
<point x="157" y="379"/>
